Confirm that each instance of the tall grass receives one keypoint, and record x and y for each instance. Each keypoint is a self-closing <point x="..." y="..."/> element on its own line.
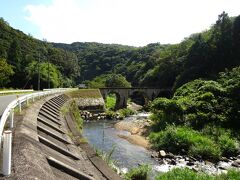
<point x="139" y="173"/>
<point x="77" y="116"/>
<point x="188" y="174"/>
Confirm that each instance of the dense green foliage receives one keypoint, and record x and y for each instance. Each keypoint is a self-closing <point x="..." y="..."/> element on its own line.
<point x="139" y="173"/>
<point x="54" y="74"/>
<point x="108" y="80"/>
<point x="177" y="139"/>
<point x="125" y="112"/>
<point x="6" y="72"/>
<point x="187" y="174"/>
<point x="22" y="50"/>
<point x="202" y="118"/>
<point x="202" y="55"/>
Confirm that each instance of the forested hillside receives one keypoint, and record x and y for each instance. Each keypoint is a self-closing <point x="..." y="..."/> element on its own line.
<point x="96" y="59"/>
<point x="202" y="55"/>
<point x="20" y="53"/>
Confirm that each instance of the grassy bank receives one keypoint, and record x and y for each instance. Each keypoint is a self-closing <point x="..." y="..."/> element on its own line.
<point x="143" y="173"/>
<point x="85" y="93"/>
<point x="188" y="174"/>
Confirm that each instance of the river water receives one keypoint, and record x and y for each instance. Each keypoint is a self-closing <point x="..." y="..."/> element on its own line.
<point x="103" y="136"/>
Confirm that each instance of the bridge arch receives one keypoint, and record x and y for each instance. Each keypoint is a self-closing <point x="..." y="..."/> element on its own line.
<point x="139" y="97"/>
<point x="148" y="93"/>
<point x="118" y="98"/>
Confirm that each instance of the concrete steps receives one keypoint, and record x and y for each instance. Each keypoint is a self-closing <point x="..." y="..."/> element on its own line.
<point x="63" y="156"/>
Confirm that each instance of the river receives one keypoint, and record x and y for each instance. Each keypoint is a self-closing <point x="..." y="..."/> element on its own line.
<point x="104" y="137"/>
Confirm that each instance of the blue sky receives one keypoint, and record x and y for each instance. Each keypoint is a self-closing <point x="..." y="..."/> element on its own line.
<point x="13" y="12"/>
<point x="130" y="22"/>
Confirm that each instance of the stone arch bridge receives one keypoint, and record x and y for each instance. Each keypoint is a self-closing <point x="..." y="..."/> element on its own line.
<point x="122" y="94"/>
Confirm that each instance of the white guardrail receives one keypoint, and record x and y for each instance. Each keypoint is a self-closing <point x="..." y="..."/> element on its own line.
<point x="8" y="114"/>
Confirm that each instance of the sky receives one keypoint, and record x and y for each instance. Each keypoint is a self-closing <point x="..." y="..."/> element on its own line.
<point x="128" y="22"/>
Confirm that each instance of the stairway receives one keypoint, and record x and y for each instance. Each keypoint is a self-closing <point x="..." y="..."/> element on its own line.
<point x="67" y="161"/>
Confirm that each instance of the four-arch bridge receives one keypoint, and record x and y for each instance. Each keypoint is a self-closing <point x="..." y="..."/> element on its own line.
<point x="122" y="94"/>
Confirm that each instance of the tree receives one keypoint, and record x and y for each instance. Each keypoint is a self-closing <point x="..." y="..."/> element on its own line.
<point x="117" y="80"/>
<point x="6" y="72"/>
<point x="54" y="75"/>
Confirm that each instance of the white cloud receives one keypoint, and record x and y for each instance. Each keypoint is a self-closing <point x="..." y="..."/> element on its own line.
<point x="131" y="22"/>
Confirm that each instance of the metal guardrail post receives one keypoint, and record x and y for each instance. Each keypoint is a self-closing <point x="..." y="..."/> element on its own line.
<point x="7" y="152"/>
<point x="11" y="117"/>
<point x="27" y="101"/>
<point x="20" y="106"/>
<point x="32" y="98"/>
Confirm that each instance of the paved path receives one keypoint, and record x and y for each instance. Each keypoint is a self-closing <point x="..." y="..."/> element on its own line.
<point x="5" y="100"/>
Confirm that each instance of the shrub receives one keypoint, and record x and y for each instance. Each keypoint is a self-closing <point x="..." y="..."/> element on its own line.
<point x="183" y="174"/>
<point x="139" y="173"/>
<point x="228" y="145"/>
<point x="175" y="139"/>
<point x="188" y="174"/>
<point x="169" y="111"/>
<point x="232" y="174"/>
<point x="110" y="114"/>
<point x="205" y="148"/>
<point x="125" y="112"/>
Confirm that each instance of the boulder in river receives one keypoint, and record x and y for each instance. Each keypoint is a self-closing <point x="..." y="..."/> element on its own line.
<point x="170" y="155"/>
<point x="162" y="153"/>
<point x="236" y="163"/>
<point x="224" y="165"/>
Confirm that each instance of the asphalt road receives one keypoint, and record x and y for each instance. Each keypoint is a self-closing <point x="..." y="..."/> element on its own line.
<point x="5" y="100"/>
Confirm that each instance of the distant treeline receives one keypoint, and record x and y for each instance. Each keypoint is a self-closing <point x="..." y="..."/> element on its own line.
<point x="202" y="55"/>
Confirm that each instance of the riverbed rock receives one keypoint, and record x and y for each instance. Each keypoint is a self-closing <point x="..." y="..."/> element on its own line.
<point x="154" y="155"/>
<point x="170" y="156"/>
<point x="135" y="130"/>
<point x="209" y="163"/>
<point x="192" y="158"/>
<point x="173" y="162"/>
<point x="236" y="163"/>
<point x="190" y="163"/>
<point x="233" y="158"/>
<point x="162" y="153"/>
<point x="224" y="159"/>
<point x="195" y="169"/>
<point x="224" y="165"/>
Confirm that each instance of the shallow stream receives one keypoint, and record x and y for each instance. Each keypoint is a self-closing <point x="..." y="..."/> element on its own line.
<point x="103" y="136"/>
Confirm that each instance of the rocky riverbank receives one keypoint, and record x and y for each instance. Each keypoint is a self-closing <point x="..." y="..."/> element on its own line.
<point x="138" y="128"/>
<point x="168" y="161"/>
